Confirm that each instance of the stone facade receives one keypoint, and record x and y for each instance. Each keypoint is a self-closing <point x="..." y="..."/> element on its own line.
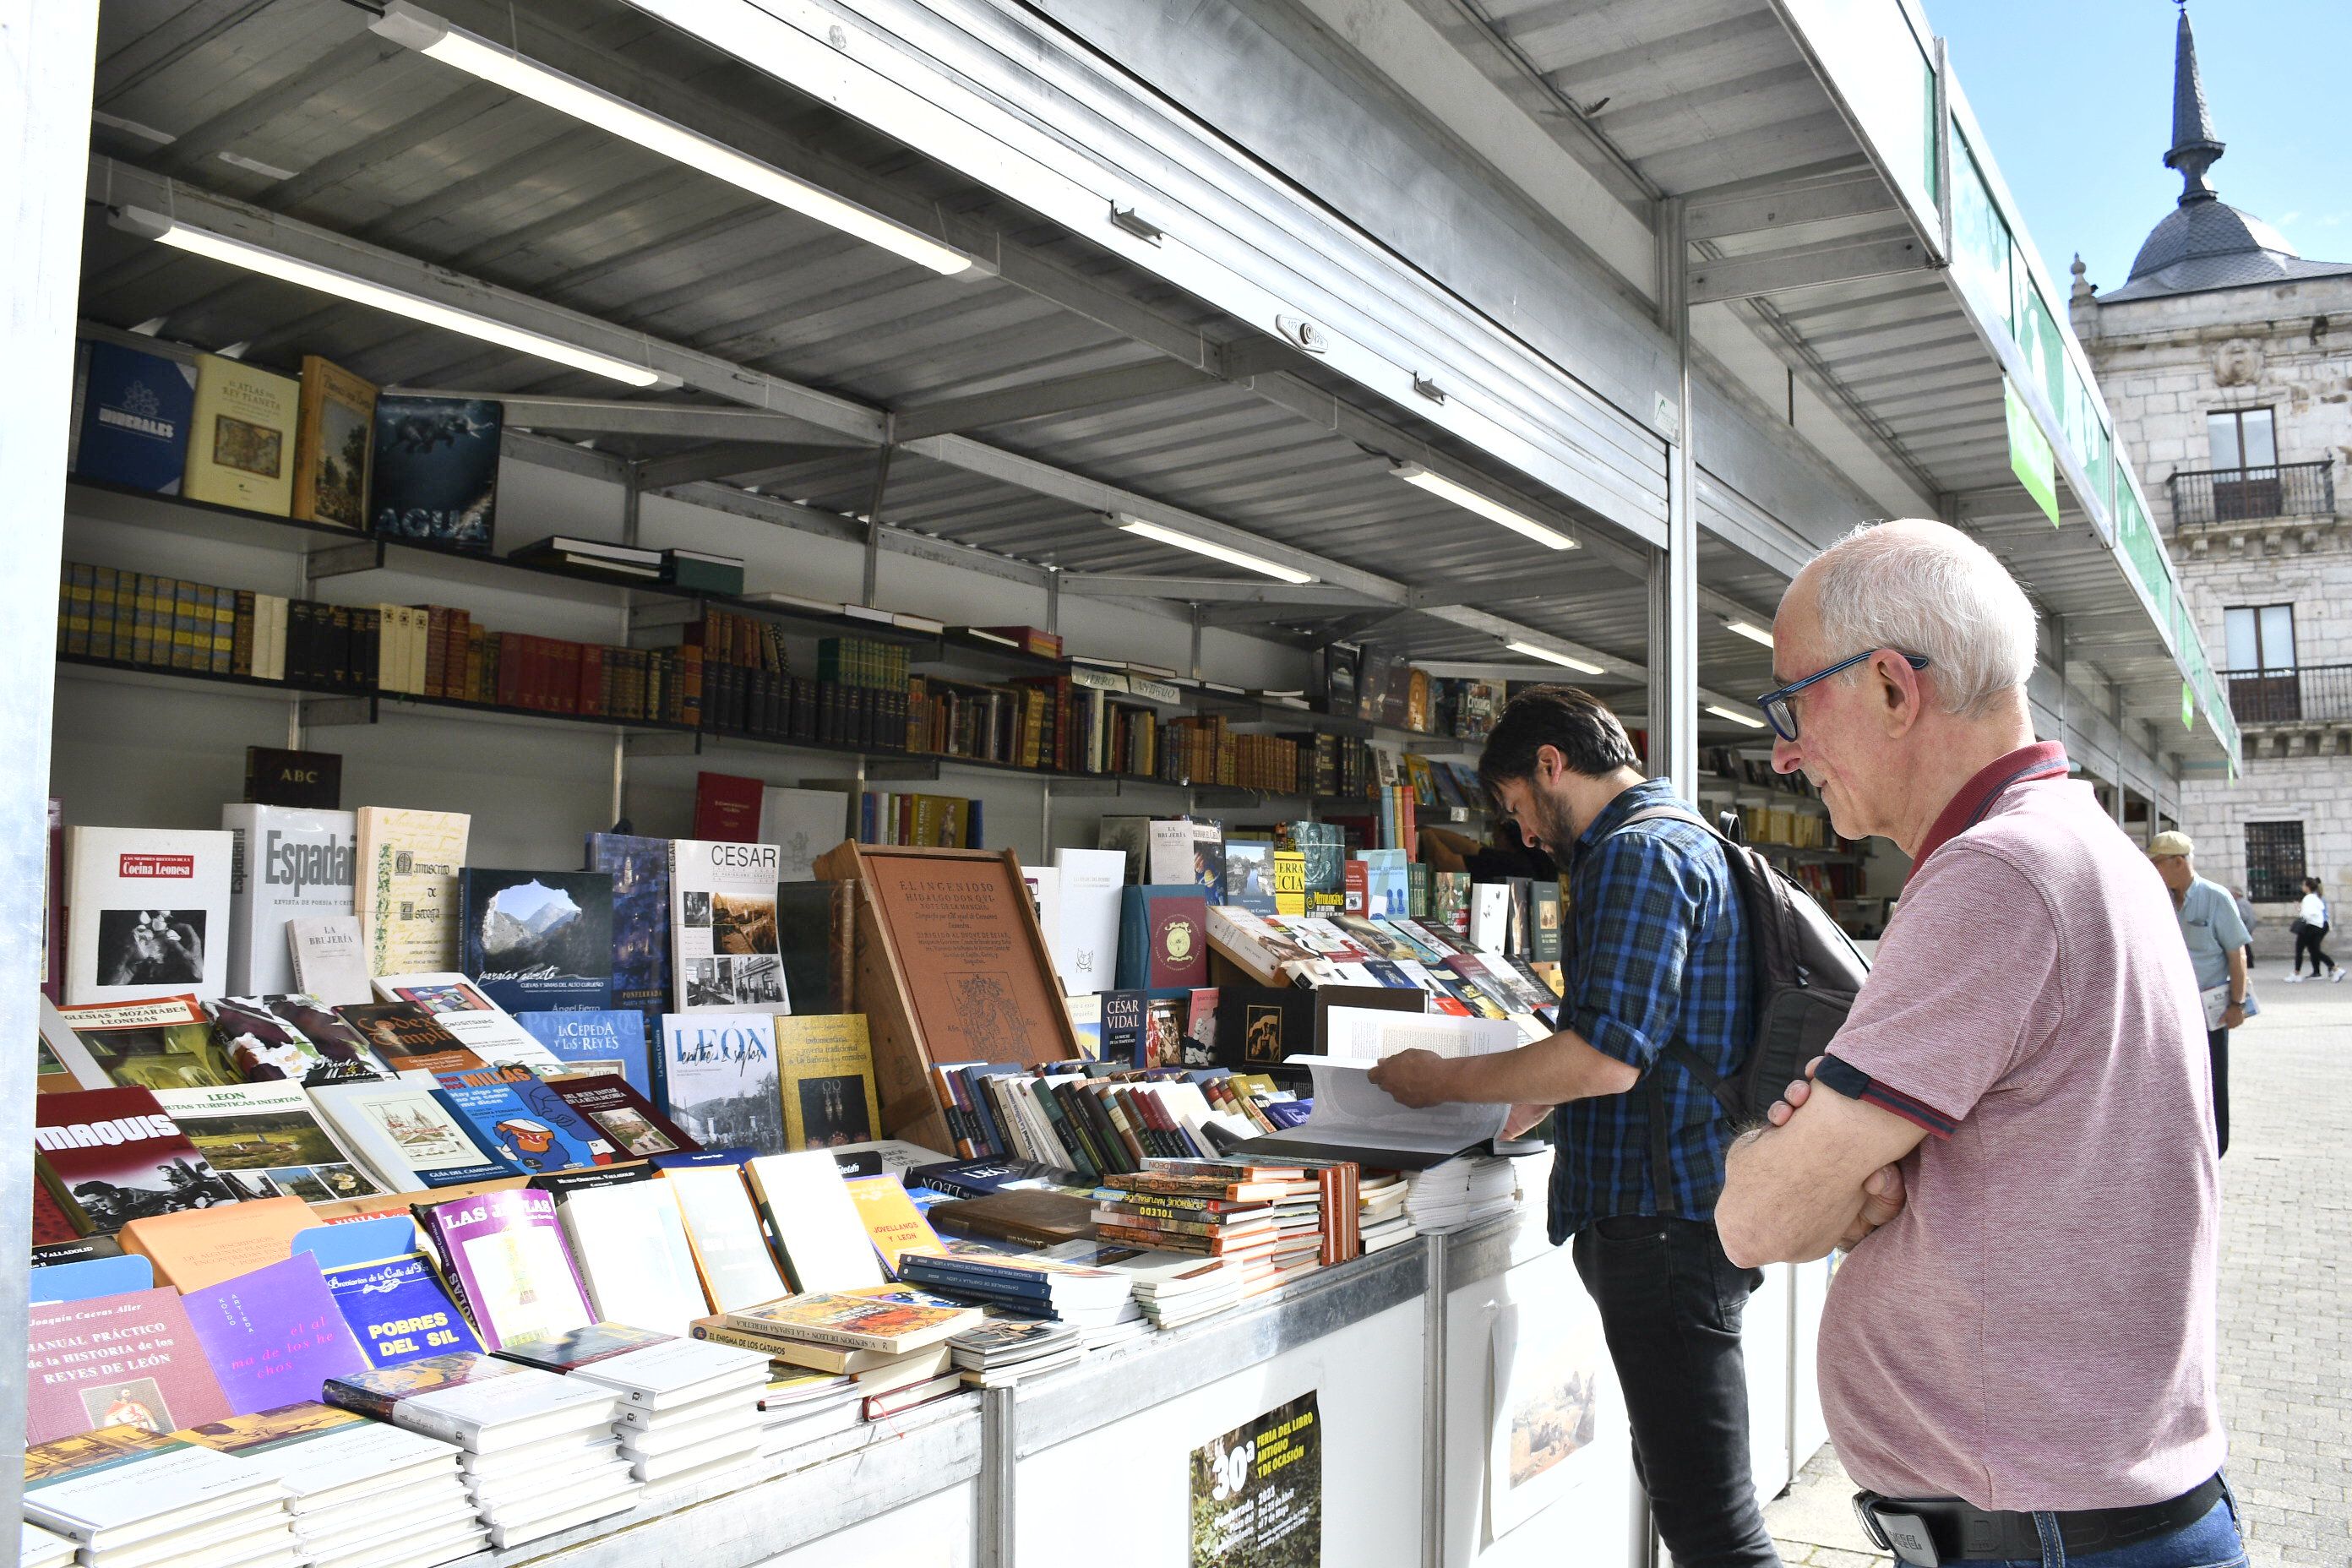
<point x="2166" y="362"/>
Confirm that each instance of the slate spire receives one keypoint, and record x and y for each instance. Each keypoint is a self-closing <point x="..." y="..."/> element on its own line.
<point x="2194" y="146"/>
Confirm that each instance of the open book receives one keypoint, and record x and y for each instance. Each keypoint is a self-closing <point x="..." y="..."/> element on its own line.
<point x="1353" y="1119"/>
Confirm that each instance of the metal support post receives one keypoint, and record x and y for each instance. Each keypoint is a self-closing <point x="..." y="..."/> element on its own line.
<point x="1200" y="620"/>
<point x="993" y="1515"/>
<point x="1674" y="577"/>
<point x="873" y="510"/>
<point x="47" y="50"/>
<point x="1054" y="600"/>
<point x="1432" y="1404"/>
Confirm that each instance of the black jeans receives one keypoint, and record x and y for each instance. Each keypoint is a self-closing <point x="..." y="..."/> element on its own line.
<point x="2217" y="1044"/>
<point x="1670" y="1305"/>
<point x="2307" y="939"/>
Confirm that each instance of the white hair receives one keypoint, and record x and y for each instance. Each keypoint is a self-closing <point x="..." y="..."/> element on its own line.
<point x="1925" y="588"/>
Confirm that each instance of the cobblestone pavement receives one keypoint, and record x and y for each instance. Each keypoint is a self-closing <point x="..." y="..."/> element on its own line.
<point x="2287" y="1269"/>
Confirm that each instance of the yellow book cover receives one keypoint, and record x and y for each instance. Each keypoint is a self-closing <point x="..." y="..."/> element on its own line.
<point x="1289" y="882"/>
<point x="891" y="1218"/>
<point x="826" y="1064"/>
<point x="241" y="441"/>
<point x="406" y="898"/>
<point x="333" y="440"/>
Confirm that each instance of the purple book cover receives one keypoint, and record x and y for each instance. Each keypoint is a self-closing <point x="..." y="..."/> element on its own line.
<point x="504" y="1252"/>
<point x="274" y="1336"/>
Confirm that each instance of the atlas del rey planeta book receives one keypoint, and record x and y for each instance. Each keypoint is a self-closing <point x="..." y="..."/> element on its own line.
<point x="241" y="437"/>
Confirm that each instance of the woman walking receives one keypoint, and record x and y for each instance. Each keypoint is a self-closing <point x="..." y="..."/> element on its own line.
<point x="2310" y="930"/>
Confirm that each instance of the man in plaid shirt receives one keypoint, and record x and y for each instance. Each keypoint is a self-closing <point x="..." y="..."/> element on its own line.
<point x="1660" y="958"/>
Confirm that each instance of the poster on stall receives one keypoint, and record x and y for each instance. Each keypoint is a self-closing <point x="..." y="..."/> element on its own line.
<point x="1550" y="1379"/>
<point x="1257" y="1492"/>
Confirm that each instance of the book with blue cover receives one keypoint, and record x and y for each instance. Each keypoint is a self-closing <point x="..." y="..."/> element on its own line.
<point x="130" y="415"/>
<point x="640" y="871"/>
<point x="435" y="473"/>
<point x="613" y="1041"/>
<point x="533" y="1133"/>
<point x="538" y="941"/>
<point x="398" y="1309"/>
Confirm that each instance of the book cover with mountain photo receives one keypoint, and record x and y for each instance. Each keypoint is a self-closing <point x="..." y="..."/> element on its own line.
<point x="538" y="942"/>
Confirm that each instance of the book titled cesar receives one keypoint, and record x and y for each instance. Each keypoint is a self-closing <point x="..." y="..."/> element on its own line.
<point x="723" y="936"/>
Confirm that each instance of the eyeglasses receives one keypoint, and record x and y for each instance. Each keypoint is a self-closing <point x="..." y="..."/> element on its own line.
<point x="1782" y="713"/>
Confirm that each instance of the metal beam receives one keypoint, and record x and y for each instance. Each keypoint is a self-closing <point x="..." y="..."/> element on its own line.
<point x="614" y="416"/>
<point x="1755" y="211"/>
<point x="1207" y="590"/>
<point x="1803" y="267"/>
<point x="724" y="461"/>
<point x="1062" y="395"/>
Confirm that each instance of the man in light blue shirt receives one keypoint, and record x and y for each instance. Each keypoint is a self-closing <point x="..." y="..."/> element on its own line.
<point x="2217" y="939"/>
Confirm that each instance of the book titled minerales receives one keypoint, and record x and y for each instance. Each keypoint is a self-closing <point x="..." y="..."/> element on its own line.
<point x="398" y="1311"/>
<point x="284" y="865"/>
<point x="273" y="1336"/>
<point x="117" y="1360"/>
<point x="640" y="871"/>
<point x="724" y="949"/>
<point x="269" y="1136"/>
<point x="131" y="417"/>
<point x="147" y="913"/>
<point x="504" y="1254"/>
<point x="612" y="1041"/>
<point x="719" y="1069"/>
<point x="537" y="940"/>
<point x="241" y="437"/>
<point x="407" y="867"/>
<point x="109" y="1156"/>
<point x="435" y="478"/>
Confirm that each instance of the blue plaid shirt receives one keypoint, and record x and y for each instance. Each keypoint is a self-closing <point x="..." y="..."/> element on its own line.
<point x="1660" y="955"/>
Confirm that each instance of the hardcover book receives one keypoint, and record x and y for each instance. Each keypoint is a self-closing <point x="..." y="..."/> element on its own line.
<point x="504" y="1253"/>
<point x="314" y="1450"/>
<point x="116" y="1360"/>
<point x="723" y="939"/>
<point x="308" y="780"/>
<point x="291" y="1036"/>
<point x="241" y="437"/>
<point x="480" y="1024"/>
<point x="538" y="942"/>
<point x="637" y="1131"/>
<point x="825" y="1071"/>
<point x="1085" y="945"/>
<point x="131" y="417"/>
<point x="722" y="1230"/>
<point x="268" y="1138"/>
<point x="167" y="1043"/>
<point x="640" y="871"/>
<point x="284" y="865"/>
<point x="854" y="1322"/>
<point x="598" y="1042"/>
<point x="125" y="1486"/>
<point x="407" y="1038"/>
<point x="809" y="1212"/>
<point x="407" y="1136"/>
<point x="334" y="441"/>
<point x="147" y="913"/>
<point x="109" y="1156"/>
<point x="802" y="824"/>
<point x="398" y="1311"/>
<point x="273" y="1336"/>
<point x="408" y="863"/>
<point x="726" y="809"/>
<point x="719" y="1071"/>
<point x="482" y="1404"/>
<point x="435" y="478"/>
<point x="1163" y="937"/>
<point x="816" y="924"/>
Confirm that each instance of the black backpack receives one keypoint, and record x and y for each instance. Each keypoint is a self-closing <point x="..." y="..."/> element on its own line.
<point x="1804" y="975"/>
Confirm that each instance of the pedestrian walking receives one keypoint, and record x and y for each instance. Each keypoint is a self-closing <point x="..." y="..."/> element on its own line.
<point x="2310" y="932"/>
<point x="2008" y="1133"/>
<point x="2216" y="937"/>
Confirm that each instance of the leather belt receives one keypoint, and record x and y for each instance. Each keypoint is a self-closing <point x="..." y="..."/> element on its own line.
<point x="1929" y="1531"/>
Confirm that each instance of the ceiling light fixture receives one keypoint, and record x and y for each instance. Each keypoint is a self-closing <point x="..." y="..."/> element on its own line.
<point x="1532" y="651"/>
<point x="1748" y="719"/>
<point x="1749" y="629"/>
<point x="360" y="292"/>
<point x="1226" y="553"/>
<point x="1492" y="510"/>
<point x="431" y="36"/>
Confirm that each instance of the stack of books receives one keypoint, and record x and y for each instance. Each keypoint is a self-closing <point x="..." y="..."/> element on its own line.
<point x="1459" y="1192"/>
<point x="44" y="1550"/>
<point x="1380" y="1220"/>
<point x="128" y="1497"/>
<point x="1172" y="1289"/>
<point x="893" y="1350"/>
<point x="1267" y="1220"/>
<point x="538" y="1448"/>
<point x="361" y="1491"/>
<point x="1027" y="1284"/>
<point x="689" y="1409"/>
<point x="1005" y="1350"/>
<point x="799" y="1405"/>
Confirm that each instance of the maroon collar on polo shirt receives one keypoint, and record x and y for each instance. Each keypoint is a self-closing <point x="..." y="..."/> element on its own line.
<point x="2043" y="760"/>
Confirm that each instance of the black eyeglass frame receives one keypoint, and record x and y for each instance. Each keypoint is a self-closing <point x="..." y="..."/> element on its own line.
<point x="1775" y="702"/>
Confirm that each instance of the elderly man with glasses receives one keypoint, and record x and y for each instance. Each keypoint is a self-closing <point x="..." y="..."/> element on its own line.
<point x="2015" y="1145"/>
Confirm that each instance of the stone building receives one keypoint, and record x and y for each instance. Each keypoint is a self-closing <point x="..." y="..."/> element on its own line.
<point x="2227" y="361"/>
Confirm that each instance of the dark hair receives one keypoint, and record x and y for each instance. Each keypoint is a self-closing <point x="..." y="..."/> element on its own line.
<point x="2311" y="884"/>
<point x="1574" y="722"/>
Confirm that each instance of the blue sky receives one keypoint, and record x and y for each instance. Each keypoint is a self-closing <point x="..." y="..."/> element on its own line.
<point x="2076" y="96"/>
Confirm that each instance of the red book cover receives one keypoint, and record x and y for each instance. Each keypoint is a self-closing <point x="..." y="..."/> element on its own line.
<point x="1356" y="885"/>
<point x="110" y="1155"/>
<point x="591" y="680"/>
<point x="117" y="1360"/>
<point x="457" y="631"/>
<point x="508" y="693"/>
<point x="1180" y="941"/>
<point x="568" y="680"/>
<point x="726" y="809"/>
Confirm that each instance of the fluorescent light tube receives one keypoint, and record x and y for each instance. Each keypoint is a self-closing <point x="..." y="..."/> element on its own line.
<point x="1532" y="651"/>
<point x="359" y="291"/>
<point x="1493" y="510"/>
<point x="1749" y="720"/>
<point x="1749" y="629"/>
<point x="1231" y="557"/>
<point x="452" y="46"/>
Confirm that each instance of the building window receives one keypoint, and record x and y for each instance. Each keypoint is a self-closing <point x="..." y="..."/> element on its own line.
<point x="2273" y="862"/>
<point x="2259" y="640"/>
<point x="2244" y="447"/>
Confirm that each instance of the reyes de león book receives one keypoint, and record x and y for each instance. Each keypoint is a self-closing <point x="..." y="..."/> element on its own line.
<point x="284" y="865"/>
<point x="130" y="1360"/>
<point x="719" y="1072"/>
<point x="435" y="476"/>
<point x="147" y="913"/>
<point x="538" y="942"/>
<point x="723" y="938"/>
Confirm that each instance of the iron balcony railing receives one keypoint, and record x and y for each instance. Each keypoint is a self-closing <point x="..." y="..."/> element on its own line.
<point x="2249" y="495"/>
<point x="2314" y="694"/>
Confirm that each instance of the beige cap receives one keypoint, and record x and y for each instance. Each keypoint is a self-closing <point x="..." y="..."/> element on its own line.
<point x="2168" y="844"/>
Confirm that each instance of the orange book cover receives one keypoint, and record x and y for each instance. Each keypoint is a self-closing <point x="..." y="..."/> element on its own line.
<point x="891" y="1218"/>
<point x="197" y="1248"/>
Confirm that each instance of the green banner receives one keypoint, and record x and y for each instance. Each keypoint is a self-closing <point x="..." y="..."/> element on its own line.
<point x="2187" y="706"/>
<point x="2030" y="453"/>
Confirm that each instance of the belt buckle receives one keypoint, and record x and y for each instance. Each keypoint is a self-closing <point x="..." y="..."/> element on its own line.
<point x="1896" y="1531"/>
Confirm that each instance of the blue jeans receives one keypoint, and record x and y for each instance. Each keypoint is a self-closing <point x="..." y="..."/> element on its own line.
<point x="2212" y="1542"/>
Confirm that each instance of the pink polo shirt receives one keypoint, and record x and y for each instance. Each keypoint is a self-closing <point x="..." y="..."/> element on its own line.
<point x="2036" y="1329"/>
